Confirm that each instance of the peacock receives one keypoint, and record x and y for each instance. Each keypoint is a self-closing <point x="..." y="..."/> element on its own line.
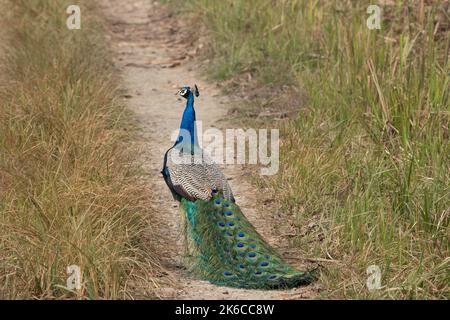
<point x="226" y="249"/>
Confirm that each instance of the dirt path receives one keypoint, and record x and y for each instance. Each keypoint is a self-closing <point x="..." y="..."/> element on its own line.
<point x="154" y="54"/>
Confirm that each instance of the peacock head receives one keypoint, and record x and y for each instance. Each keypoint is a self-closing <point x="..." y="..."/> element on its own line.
<point x="186" y="91"/>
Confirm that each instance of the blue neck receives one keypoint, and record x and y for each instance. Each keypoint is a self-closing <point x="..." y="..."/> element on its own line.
<point x="188" y="122"/>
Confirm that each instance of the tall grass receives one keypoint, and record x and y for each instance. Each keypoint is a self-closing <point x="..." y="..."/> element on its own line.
<point x="367" y="159"/>
<point x="69" y="193"/>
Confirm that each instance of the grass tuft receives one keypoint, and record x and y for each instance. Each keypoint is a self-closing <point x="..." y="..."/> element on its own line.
<point x="366" y="161"/>
<point x="69" y="193"/>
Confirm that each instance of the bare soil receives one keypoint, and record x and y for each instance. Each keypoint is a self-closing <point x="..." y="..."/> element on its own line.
<point x="156" y="55"/>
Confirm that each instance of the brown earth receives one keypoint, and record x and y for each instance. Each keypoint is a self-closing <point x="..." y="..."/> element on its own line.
<point x="156" y="56"/>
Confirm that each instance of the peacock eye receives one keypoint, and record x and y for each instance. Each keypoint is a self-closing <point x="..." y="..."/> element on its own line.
<point x="183" y="92"/>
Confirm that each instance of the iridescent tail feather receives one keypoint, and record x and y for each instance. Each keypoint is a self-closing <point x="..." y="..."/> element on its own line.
<point x="228" y="251"/>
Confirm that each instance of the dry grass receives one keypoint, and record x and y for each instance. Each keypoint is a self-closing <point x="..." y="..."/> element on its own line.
<point x="365" y="173"/>
<point x="69" y="191"/>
